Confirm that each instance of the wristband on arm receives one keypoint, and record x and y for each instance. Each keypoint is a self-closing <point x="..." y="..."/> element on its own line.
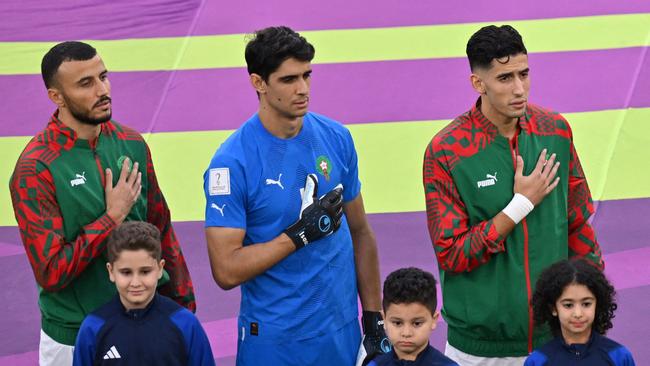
<point x="518" y="208"/>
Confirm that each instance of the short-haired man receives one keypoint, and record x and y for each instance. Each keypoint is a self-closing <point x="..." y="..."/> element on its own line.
<point x="76" y="181"/>
<point x="506" y="197"/>
<point x="286" y="221"/>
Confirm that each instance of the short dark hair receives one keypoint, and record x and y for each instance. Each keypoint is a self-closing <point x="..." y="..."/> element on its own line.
<point x="492" y="42"/>
<point x="271" y="46"/>
<point x="64" y="51"/>
<point x="410" y="285"/>
<point x="134" y="235"/>
<point x="557" y="277"/>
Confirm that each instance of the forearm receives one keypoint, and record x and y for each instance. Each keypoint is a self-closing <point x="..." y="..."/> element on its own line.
<point x="366" y="260"/>
<point x="235" y="264"/>
<point x="55" y="262"/>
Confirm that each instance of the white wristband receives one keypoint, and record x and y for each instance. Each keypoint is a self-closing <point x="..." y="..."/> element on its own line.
<point x="518" y="208"/>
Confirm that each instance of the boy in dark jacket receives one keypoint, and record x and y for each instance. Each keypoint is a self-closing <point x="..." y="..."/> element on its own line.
<point x="410" y="316"/>
<point x="139" y="326"/>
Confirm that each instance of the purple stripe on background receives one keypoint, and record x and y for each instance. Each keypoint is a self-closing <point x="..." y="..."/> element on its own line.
<point x="218" y="99"/>
<point x="7" y="249"/>
<point x="74" y="19"/>
<point x="629" y="268"/>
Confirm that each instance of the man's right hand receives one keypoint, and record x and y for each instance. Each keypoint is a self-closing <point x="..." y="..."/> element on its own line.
<point x="541" y="180"/>
<point x="121" y="197"/>
<point x="319" y="217"/>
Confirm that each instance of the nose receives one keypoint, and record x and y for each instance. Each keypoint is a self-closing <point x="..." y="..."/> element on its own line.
<point x="577" y="312"/>
<point x="407" y="332"/>
<point x="302" y="86"/>
<point x="103" y="87"/>
<point x="518" y="89"/>
<point x="135" y="281"/>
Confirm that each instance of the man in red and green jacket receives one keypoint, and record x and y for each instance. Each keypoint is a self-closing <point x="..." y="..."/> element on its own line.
<point x="76" y="181"/>
<point x="506" y="197"/>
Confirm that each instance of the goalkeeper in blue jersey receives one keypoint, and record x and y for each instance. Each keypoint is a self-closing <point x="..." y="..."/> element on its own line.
<point x="284" y="219"/>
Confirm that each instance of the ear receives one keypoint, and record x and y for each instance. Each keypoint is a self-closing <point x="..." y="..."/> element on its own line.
<point x="56" y="97"/>
<point x="477" y="83"/>
<point x="436" y="316"/>
<point x="161" y="265"/>
<point x="109" y="267"/>
<point x="258" y="83"/>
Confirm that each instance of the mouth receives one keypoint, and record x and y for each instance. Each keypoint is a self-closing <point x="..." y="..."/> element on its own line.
<point x="518" y="104"/>
<point x="578" y="324"/>
<point x="302" y="103"/>
<point x="406" y="344"/>
<point x="103" y="103"/>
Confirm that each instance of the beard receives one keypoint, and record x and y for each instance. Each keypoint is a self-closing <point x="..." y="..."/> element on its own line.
<point x="84" y="116"/>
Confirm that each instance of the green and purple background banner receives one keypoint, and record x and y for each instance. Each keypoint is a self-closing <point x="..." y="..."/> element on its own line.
<point x="394" y="72"/>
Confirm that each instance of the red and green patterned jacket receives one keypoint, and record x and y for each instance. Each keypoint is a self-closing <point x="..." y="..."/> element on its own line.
<point x="57" y="191"/>
<point x="487" y="280"/>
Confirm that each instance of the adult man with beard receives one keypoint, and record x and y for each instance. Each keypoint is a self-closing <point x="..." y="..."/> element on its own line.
<point x="67" y="199"/>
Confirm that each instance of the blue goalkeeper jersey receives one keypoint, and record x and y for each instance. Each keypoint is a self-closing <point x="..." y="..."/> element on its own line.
<point x="253" y="183"/>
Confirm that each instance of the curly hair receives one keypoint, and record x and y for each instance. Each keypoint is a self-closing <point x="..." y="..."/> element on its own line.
<point x="410" y="285"/>
<point x="134" y="235"/>
<point x="492" y="42"/>
<point x="557" y="277"/>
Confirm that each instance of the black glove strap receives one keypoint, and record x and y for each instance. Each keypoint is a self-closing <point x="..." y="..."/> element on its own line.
<point x="373" y="323"/>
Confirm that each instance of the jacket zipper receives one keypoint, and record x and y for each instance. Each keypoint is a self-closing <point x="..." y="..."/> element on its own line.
<point x="524" y="224"/>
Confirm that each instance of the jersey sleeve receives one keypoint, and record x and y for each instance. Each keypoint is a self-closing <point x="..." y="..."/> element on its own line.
<point x="582" y="238"/>
<point x="351" y="183"/>
<point x="179" y="287"/>
<point x="621" y="356"/>
<point x="196" y="341"/>
<point x="536" y="359"/>
<point x="459" y="246"/>
<point x="224" y="186"/>
<point x="85" y="346"/>
<point x="54" y="261"/>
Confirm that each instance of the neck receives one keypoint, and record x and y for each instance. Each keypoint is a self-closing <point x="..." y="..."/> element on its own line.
<point x="581" y="338"/>
<point x="278" y="125"/>
<point x="507" y="126"/>
<point x="83" y="130"/>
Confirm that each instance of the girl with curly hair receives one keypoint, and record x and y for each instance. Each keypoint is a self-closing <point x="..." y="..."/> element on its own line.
<point x="577" y="301"/>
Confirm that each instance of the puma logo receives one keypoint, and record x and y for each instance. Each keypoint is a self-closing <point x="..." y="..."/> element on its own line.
<point x="220" y="209"/>
<point x="490" y="181"/>
<point x="276" y="182"/>
<point x="79" y="180"/>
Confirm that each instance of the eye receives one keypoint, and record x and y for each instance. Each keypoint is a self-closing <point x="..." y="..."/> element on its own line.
<point x="146" y="271"/>
<point x="417" y="323"/>
<point x="567" y="305"/>
<point x="397" y="323"/>
<point x="125" y="272"/>
<point x="505" y="77"/>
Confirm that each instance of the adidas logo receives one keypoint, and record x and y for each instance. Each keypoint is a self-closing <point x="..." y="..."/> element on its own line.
<point x="112" y="353"/>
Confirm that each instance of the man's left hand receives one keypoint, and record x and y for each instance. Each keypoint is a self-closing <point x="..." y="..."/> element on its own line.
<point x="374" y="341"/>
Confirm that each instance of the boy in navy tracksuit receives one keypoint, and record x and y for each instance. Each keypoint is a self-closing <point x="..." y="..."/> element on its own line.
<point x="410" y="315"/>
<point x="139" y="326"/>
<point x="577" y="301"/>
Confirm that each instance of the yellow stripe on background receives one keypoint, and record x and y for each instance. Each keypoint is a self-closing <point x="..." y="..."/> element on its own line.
<point x="347" y="45"/>
<point x="390" y="161"/>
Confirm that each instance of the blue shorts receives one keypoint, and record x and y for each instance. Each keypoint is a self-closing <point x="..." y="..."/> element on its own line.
<point x="337" y="348"/>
